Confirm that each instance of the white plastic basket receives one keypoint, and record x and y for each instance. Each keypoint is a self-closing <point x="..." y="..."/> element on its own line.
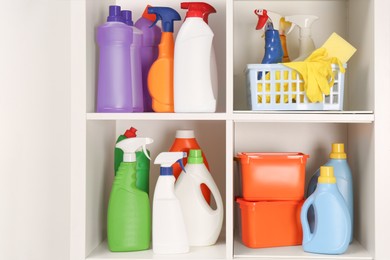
<point x="286" y="92"/>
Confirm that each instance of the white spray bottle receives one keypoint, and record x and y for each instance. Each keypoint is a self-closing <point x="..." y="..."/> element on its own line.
<point x="169" y="231"/>
<point x="203" y="223"/>
<point x="195" y="67"/>
<point x="306" y="44"/>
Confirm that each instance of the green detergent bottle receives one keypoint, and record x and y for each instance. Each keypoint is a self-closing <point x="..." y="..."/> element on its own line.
<point x="143" y="161"/>
<point x="128" y="217"/>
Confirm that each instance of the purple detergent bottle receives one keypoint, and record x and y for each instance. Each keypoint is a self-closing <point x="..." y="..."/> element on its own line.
<point x="114" y="38"/>
<point x="149" y="51"/>
<point x="136" y="65"/>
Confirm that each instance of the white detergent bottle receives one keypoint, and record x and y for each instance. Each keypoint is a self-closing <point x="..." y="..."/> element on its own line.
<point x="203" y="223"/>
<point x="195" y="77"/>
<point x="306" y="44"/>
<point x="169" y="231"/>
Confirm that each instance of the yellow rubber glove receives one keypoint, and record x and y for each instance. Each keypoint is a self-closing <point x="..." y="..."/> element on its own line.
<point x="316" y="72"/>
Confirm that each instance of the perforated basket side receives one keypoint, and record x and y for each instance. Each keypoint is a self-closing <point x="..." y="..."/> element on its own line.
<point x="277" y="87"/>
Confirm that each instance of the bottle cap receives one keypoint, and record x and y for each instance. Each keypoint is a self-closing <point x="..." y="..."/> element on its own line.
<point x="195" y="156"/>
<point x="115" y="14"/>
<point x="131" y="132"/>
<point x="338" y="151"/>
<point x="326" y="175"/>
<point x="146" y="15"/>
<point x="185" y="134"/>
<point x="127" y="17"/>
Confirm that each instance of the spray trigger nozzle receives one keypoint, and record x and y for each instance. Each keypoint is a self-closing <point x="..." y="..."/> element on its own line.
<point x="167" y="16"/>
<point x="167" y="159"/>
<point x="145" y="152"/>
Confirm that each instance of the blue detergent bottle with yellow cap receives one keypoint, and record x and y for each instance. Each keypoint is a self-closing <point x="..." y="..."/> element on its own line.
<point x="332" y="228"/>
<point x="343" y="174"/>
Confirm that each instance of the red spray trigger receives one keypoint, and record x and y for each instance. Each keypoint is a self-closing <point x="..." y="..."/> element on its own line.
<point x="198" y="9"/>
<point x="263" y="18"/>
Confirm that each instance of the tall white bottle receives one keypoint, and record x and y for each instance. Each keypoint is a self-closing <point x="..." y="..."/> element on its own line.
<point x="203" y="224"/>
<point x="169" y="232"/>
<point x="195" y="70"/>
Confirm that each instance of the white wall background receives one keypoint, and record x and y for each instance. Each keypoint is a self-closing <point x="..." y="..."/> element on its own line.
<point x="34" y="129"/>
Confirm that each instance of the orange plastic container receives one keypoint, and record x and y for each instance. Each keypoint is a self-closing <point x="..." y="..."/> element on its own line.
<point x="272" y="176"/>
<point x="270" y="223"/>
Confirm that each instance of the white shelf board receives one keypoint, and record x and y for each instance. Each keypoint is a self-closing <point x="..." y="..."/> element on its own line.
<point x="156" y="116"/>
<point x="217" y="251"/>
<point x="305" y="116"/>
<point x="355" y="252"/>
<point x="248" y="116"/>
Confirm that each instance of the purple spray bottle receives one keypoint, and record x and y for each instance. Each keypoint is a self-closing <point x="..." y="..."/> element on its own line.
<point x="114" y="39"/>
<point x="136" y="65"/>
<point x="149" y="51"/>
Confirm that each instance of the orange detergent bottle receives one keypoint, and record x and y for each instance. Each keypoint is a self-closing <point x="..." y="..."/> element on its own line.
<point x="160" y="78"/>
<point x="184" y="141"/>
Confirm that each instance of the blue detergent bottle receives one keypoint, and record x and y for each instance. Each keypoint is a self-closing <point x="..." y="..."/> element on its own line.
<point x="332" y="228"/>
<point x="342" y="172"/>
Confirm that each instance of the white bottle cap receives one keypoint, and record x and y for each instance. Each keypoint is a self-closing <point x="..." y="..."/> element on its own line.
<point x="185" y="134"/>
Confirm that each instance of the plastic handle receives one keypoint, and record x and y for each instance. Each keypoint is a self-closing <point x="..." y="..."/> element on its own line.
<point x="305" y="223"/>
<point x="214" y="191"/>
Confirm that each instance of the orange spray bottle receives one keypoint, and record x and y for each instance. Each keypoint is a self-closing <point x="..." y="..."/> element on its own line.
<point x="160" y="78"/>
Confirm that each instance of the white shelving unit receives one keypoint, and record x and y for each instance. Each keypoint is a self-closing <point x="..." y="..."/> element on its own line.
<point x="363" y="126"/>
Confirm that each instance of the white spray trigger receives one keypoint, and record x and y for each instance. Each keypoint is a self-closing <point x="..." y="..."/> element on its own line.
<point x="130" y="145"/>
<point x="167" y="159"/>
<point x="145" y="152"/>
<point x="291" y="28"/>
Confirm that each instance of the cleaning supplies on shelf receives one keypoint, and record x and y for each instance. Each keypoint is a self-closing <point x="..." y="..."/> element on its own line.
<point x="332" y="229"/>
<point x="184" y="141"/>
<point x="273" y="46"/>
<point x="306" y="43"/>
<point x="114" y="91"/>
<point x="136" y="68"/>
<point x="128" y="214"/>
<point x="149" y="51"/>
<point x="203" y="224"/>
<point x="160" y="78"/>
<point x="169" y="230"/>
<point x="342" y="172"/>
<point x="281" y="25"/>
<point x="193" y="83"/>
<point x="143" y="161"/>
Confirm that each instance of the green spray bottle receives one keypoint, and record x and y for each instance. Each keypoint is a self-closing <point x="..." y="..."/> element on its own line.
<point x="143" y="161"/>
<point x="128" y="217"/>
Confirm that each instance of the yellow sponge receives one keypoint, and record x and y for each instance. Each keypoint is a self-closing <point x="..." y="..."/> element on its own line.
<point x="338" y="47"/>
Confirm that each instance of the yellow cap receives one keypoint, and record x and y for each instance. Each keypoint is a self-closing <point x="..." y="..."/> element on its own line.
<point x="326" y="175"/>
<point x="338" y="151"/>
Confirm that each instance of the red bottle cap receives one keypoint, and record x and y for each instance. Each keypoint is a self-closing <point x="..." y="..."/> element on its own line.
<point x="130" y="132"/>
<point x="198" y="9"/>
